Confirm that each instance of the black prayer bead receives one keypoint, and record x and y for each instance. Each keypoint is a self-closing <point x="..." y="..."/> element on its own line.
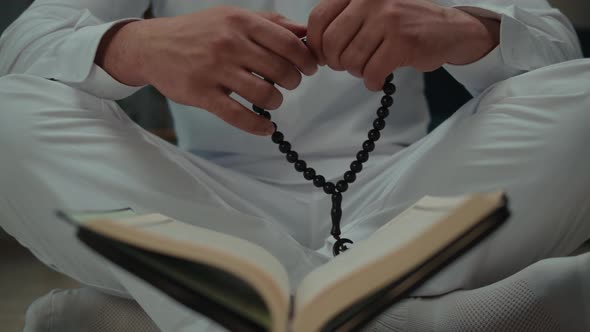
<point x="389" y="78"/>
<point x="382" y="112"/>
<point x="309" y="173"/>
<point x="278" y="137"/>
<point x="368" y="146"/>
<point x="374" y="135"/>
<point x="300" y="165"/>
<point x="257" y="109"/>
<point x="342" y="186"/>
<point x="379" y="124"/>
<point x="285" y="147"/>
<point x="329" y="188"/>
<point x="292" y="156"/>
<point x="319" y="181"/>
<point x="356" y="166"/>
<point x="349" y="176"/>
<point x="362" y="156"/>
<point x="389" y="89"/>
<point x="386" y="101"/>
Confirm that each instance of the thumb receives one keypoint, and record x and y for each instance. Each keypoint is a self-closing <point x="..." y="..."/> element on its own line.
<point x="299" y="30"/>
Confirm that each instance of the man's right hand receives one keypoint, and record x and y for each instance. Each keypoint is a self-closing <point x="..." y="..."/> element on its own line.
<point x="200" y="58"/>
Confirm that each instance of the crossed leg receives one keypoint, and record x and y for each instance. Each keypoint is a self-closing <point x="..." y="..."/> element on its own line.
<point x="65" y="149"/>
<point x="529" y="136"/>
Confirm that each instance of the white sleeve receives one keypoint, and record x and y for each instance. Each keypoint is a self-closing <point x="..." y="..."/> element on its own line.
<point x="58" y="39"/>
<point x="532" y="35"/>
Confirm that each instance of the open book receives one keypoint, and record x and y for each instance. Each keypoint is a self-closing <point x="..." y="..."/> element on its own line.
<point x="244" y="288"/>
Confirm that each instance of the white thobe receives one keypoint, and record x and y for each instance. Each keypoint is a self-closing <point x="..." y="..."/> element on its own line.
<point x="70" y="146"/>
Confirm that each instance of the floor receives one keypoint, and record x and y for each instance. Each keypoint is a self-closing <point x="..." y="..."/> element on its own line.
<point x="23" y="279"/>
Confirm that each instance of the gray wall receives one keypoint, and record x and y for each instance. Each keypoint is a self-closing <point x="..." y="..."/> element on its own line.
<point x="577" y="10"/>
<point x="9" y="10"/>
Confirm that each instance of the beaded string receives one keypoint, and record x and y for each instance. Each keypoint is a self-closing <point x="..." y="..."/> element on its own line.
<point x="341" y="186"/>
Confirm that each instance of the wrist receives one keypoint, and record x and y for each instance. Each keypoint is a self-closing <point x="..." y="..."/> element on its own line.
<point x="474" y="37"/>
<point x="119" y="54"/>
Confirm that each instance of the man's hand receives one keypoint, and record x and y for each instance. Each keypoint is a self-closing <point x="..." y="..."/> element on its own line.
<point x="371" y="38"/>
<point x="199" y="59"/>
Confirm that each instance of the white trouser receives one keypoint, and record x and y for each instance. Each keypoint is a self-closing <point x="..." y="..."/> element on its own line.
<point x="63" y="148"/>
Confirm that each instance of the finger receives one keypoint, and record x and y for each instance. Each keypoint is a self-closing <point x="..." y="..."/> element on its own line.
<point x="298" y="29"/>
<point x="319" y="20"/>
<point x="285" y="44"/>
<point x="254" y="89"/>
<point x="355" y="57"/>
<point x="271" y="66"/>
<point x="339" y="34"/>
<point x="235" y="114"/>
<point x="383" y="62"/>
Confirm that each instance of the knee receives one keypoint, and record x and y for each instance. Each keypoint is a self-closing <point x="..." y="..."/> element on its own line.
<point x="33" y="108"/>
<point x="559" y="103"/>
<point x="39" y="122"/>
<point x="23" y="99"/>
<point x="548" y="109"/>
<point x="564" y="79"/>
<point x="20" y="96"/>
<point x="26" y="94"/>
<point x="23" y="93"/>
<point x="15" y="95"/>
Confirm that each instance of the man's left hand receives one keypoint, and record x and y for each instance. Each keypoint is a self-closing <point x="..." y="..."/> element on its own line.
<point x="371" y="38"/>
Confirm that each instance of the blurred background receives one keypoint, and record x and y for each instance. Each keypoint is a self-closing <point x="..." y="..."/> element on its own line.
<point x="23" y="278"/>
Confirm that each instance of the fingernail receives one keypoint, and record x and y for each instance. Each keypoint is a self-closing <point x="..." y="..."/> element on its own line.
<point x="266" y="129"/>
<point x="312" y="71"/>
<point x="270" y="129"/>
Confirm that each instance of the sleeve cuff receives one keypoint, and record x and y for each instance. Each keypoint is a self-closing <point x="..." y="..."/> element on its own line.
<point x="99" y="83"/>
<point x="72" y="61"/>
<point x="483" y="73"/>
<point x="492" y="68"/>
<point x="92" y="78"/>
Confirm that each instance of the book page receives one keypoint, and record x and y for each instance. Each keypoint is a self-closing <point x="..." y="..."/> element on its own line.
<point x="79" y="217"/>
<point x="203" y="280"/>
<point x="251" y="263"/>
<point x="160" y="225"/>
<point x="399" y="231"/>
<point x="392" y="251"/>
